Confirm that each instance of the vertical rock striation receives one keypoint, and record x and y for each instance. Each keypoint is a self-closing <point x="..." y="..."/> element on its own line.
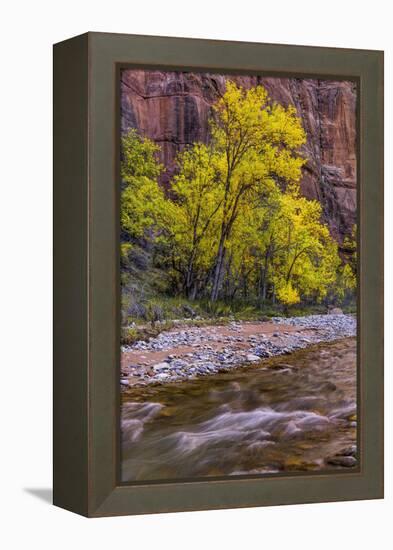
<point x="173" y="108"/>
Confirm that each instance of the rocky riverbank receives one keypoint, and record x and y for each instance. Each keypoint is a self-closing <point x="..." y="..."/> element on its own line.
<point x="183" y="354"/>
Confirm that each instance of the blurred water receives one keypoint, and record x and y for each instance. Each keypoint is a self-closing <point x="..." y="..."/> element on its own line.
<point x="283" y="415"/>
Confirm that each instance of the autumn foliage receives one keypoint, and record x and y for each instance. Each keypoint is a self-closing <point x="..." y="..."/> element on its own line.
<point x="233" y="223"/>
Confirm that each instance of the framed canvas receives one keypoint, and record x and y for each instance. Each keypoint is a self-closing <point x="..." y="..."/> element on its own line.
<point x="218" y="274"/>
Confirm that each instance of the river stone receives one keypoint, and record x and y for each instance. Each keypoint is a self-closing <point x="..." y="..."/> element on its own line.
<point x="313" y="422"/>
<point x="328" y="386"/>
<point x="291" y="430"/>
<point x="252" y="357"/>
<point x="162" y="375"/>
<point x="349" y="451"/>
<point x="161" y="366"/>
<point x="345" y="461"/>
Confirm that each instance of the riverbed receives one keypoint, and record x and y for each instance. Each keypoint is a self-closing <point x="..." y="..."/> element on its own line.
<point x="290" y="413"/>
<point x="185" y="353"/>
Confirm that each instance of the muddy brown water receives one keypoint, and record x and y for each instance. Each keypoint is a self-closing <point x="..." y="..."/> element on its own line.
<point x="287" y="414"/>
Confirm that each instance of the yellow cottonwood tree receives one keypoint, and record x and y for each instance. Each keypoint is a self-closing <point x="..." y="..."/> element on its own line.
<point x="257" y="142"/>
<point x="233" y="223"/>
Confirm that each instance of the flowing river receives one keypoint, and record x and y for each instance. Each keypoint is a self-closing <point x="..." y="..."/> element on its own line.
<point x="287" y="414"/>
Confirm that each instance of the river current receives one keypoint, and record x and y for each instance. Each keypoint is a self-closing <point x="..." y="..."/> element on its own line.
<point x="287" y="414"/>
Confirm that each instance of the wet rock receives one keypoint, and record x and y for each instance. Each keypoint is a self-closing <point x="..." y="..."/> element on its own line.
<point x="349" y="451"/>
<point x="291" y="430"/>
<point x="348" y="412"/>
<point x="344" y="461"/>
<point x="313" y="422"/>
<point x="328" y="387"/>
<point x="251" y="357"/>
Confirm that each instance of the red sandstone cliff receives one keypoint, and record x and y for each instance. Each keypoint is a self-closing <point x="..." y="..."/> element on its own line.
<point x="172" y="108"/>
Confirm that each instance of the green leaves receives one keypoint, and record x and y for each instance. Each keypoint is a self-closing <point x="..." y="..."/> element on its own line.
<point x="142" y="200"/>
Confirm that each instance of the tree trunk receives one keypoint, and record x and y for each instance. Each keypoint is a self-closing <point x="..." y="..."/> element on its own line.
<point x="193" y="292"/>
<point x="190" y="275"/>
<point x="218" y="271"/>
<point x="263" y="281"/>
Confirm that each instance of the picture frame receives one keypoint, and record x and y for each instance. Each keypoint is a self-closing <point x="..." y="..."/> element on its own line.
<point x="86" y="273"/>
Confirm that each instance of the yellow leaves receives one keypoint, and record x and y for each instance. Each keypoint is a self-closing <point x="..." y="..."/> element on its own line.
<point x="124" y="249"/>
<point x="288" y="295"/>
<point x="255" y="144"/>
<point x="246" y="119"/>
<point x="307" y="256"/>
<point x="234" y="214"/>
<point x="240" y="110"/>
<point x="138" y="157"/>
<point x="345" y="281"/>
<point x="285" y="127"/>
<point x="195" y="186"/>
<point x="142" y="203"/>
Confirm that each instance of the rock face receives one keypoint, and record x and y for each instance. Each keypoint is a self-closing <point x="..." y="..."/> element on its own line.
<point x="172" y="109"/>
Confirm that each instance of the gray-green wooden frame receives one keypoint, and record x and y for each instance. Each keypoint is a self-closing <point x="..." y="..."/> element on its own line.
<point x="86" y="278"/>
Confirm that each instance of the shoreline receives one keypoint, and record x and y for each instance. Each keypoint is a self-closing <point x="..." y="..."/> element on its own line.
<point x="187" y="353"/>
